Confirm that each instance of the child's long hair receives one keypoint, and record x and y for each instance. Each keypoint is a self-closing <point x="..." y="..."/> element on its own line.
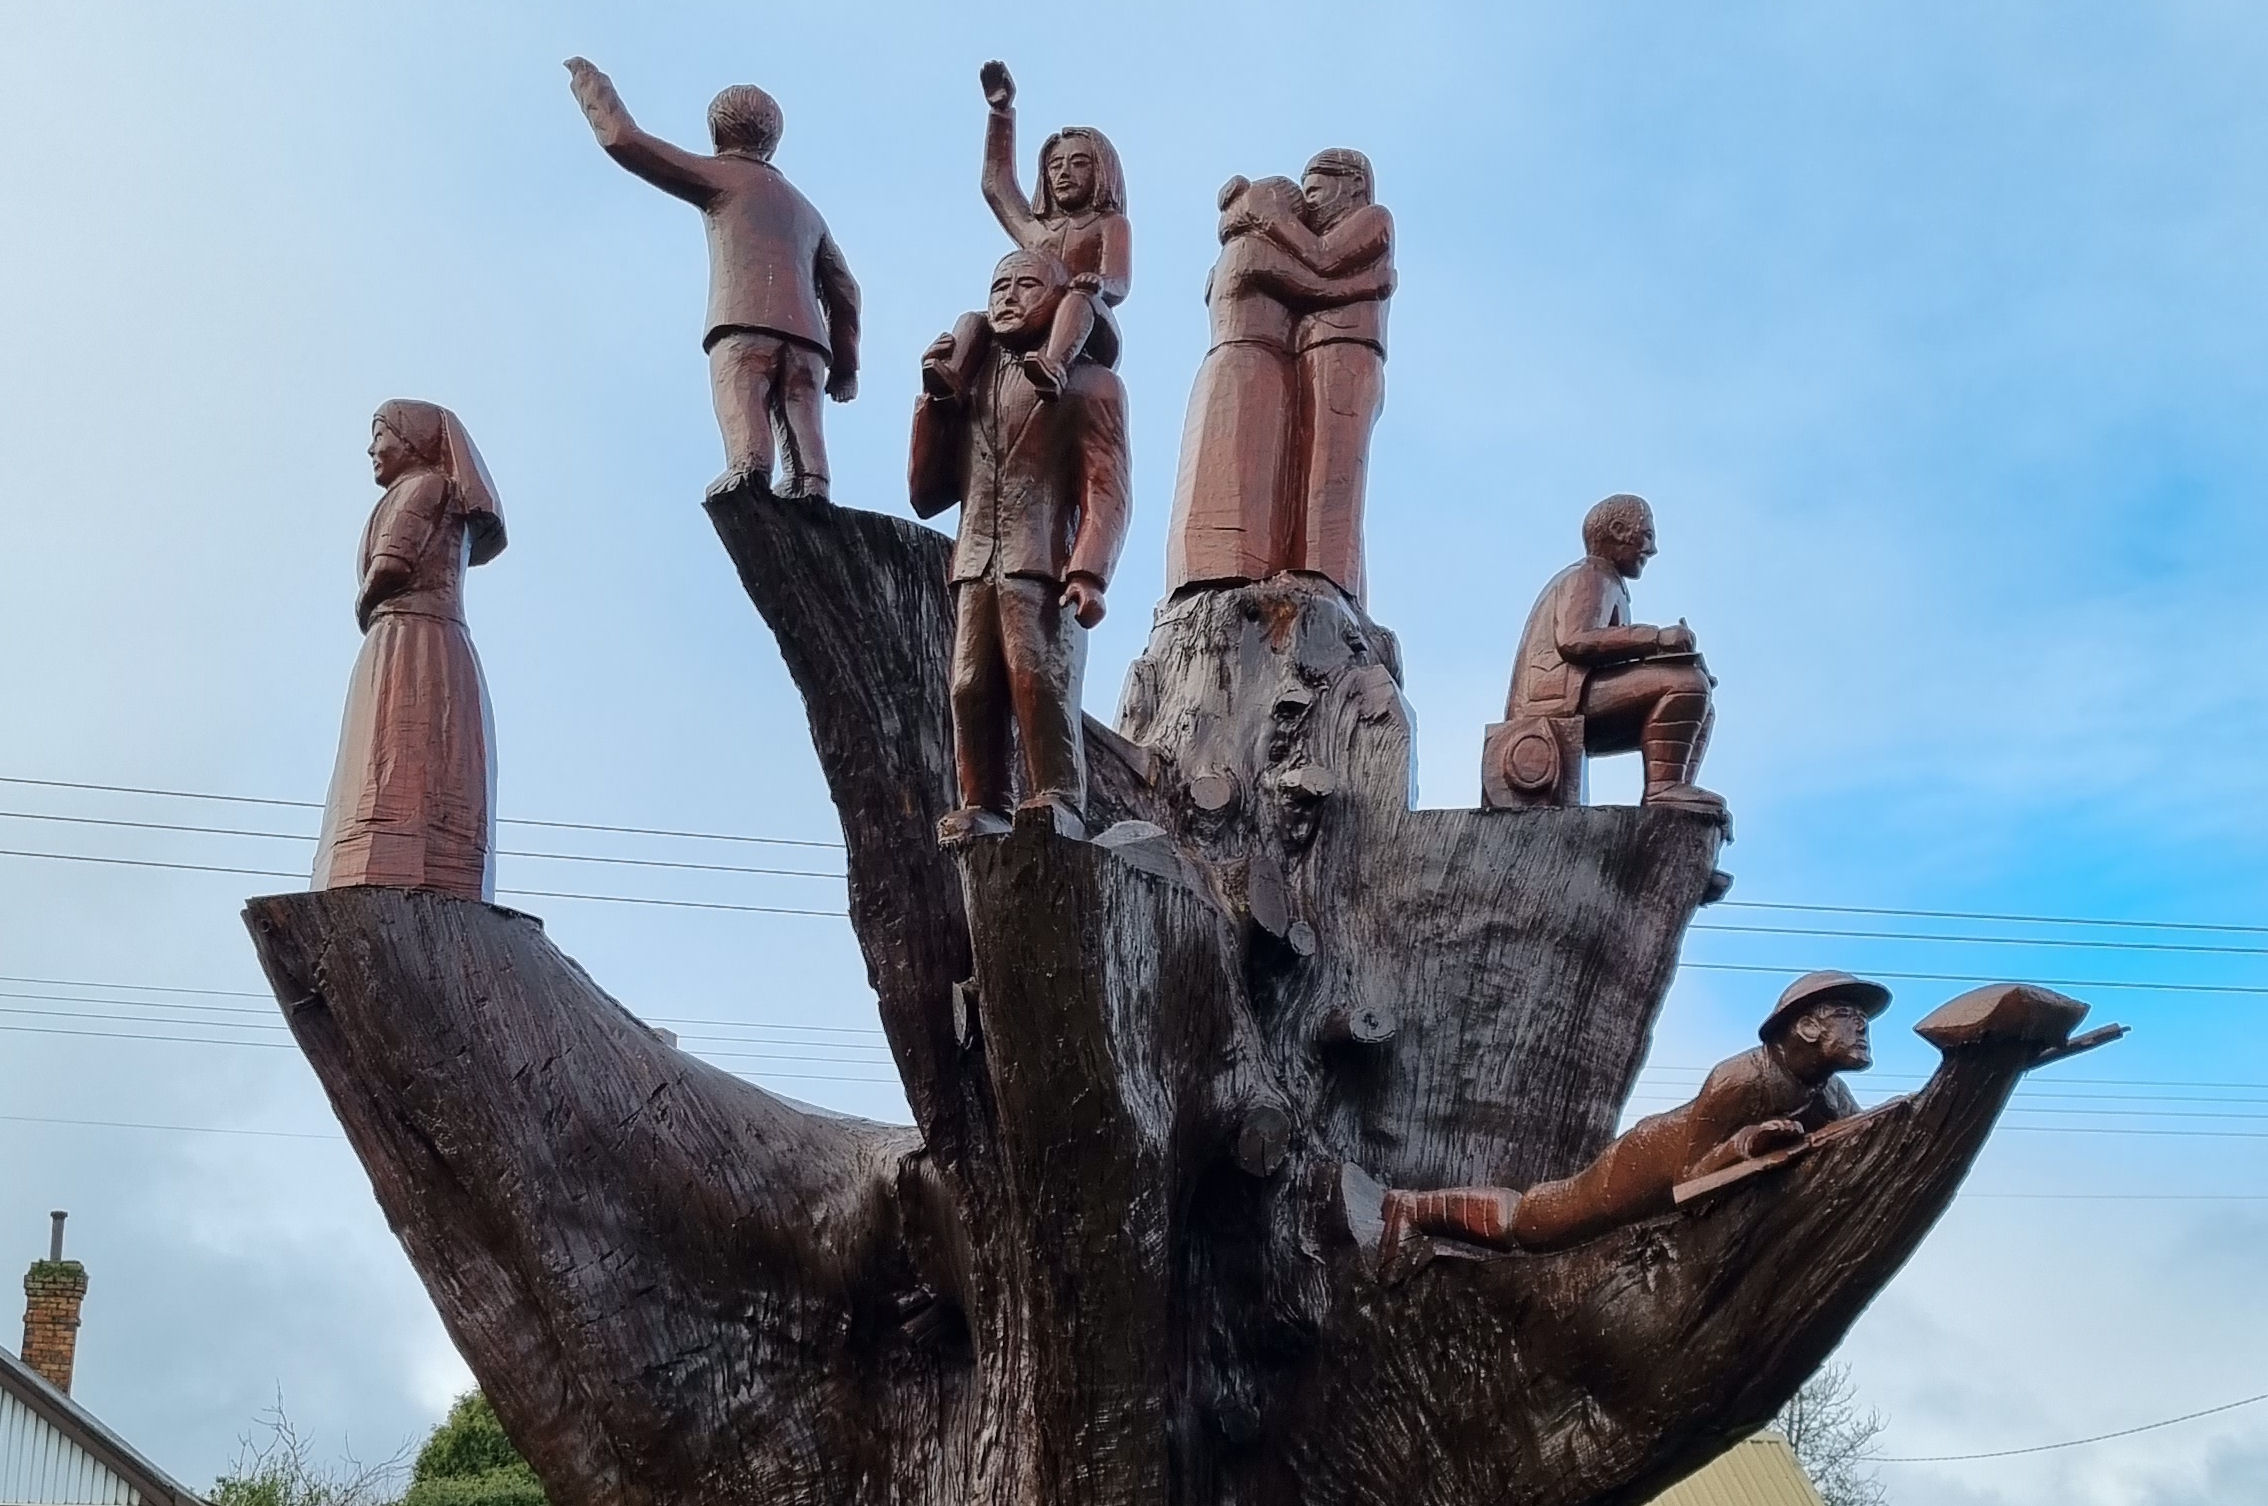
<point x="1110" y="178"/>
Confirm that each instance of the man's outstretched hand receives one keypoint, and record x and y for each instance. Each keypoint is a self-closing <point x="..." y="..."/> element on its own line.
<point x="1084" y="597"/>
<point x="999" y="87"/>
<point x="594" y="91"/>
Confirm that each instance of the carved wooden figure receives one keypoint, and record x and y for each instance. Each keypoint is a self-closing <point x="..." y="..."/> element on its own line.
<point x="1342" y="363"/>
<point x="1590" y="680"/>
<point x="413" y="795"/>
<point x="1112" y="1259"/>
<point x="1041" y="479"/>
<point x="1077" y="215"/>
<point x="1764" y="1100"/>
<point x="1242" y="445"/>
<point x="783" y="307"/>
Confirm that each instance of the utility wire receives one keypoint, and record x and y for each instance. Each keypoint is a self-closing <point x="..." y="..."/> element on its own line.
<point x="714" y="836"/>
<point x="316" y="805"/>
<point x="293" y="836"/>
<point x="2042" y="1448"/>
<point x="2058" y="941"/>
<point x="607" y="899"/>
<point x="1738" y="967"/>
<point x="2090" y="983"/>
<point x="2027" y="920"/>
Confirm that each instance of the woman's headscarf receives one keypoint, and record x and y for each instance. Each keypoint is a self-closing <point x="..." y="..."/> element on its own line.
<point x="437" y="437"/>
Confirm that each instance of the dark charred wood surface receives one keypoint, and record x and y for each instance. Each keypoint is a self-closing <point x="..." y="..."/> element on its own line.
<point x="1116" y="1260"/>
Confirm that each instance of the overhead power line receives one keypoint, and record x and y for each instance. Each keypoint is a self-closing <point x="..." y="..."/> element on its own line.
<point x="2027" y="920"/>
<point x="316" y="805"/>
<point x="1897" y="912"/>
<point x="293" y="836"/>
<point x="299" y="877"/>
<point x="2042" y="1448"/>
<point x="2056" y="941"/>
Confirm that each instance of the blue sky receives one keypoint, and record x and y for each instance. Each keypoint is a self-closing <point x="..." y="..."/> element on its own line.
<point x="1932" y="330"/>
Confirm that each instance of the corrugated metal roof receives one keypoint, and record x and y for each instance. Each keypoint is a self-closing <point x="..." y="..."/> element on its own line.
<point x="41" y="1467"/>
<point x="1757" y="1471"/>
<point x="54" y="1453"/>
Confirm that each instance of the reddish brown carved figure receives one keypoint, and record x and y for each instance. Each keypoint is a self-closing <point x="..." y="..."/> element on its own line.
<point x="1763" y="1100"/>
<point x="1589" y="680"/>
<point x="1078" y="217"/>
<point x="783" y="307"/>
<point x="412" y="798"/>
<point x="1342" y="364"/>
<point x="1044" y="493"/>
<point x="1232" y="513"/>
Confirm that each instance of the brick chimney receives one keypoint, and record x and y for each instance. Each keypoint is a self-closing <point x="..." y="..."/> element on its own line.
<point x="53" y="1290"/>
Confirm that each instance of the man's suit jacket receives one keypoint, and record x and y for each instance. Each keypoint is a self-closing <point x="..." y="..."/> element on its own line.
<point x="772" y="264"/>
<point x="1043" y="486"/>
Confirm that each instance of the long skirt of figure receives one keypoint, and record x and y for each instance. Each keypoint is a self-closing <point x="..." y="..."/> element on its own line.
<point x="413" y="798"/>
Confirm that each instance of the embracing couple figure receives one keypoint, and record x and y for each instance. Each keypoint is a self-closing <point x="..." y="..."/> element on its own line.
<point x="1275" y="450"/>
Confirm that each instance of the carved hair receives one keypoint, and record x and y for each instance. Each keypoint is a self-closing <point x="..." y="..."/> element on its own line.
<point x="1345" y="162"/>
<point x="1238" y="198"/>
<point x="1110" y="178"/>
<point x="1617" y="518"/>
<point x="745" y="119"/>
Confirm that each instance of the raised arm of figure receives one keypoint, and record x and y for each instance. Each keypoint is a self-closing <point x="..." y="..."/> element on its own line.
<point x="1586" y="629"/>
<point x="1365" y="236"/>
<point x="672" y="169"/>
<point x="838" y="291"/>
<point x="1274" y="271"/>
<point x="1009" y="206"/>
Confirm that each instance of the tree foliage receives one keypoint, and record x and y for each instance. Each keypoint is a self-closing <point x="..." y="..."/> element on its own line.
<point x="1834" y="1438"/>
<point x="469" y="1462"/>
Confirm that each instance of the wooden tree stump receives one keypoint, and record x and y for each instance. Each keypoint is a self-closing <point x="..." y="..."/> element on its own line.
<point x="1127" y="1254"/>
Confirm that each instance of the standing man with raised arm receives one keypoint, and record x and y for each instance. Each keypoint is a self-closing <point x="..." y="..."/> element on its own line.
<point x="783" y="307"/>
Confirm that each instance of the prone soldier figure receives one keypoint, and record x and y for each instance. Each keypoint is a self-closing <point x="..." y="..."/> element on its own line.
<point x="1590" y="680"/>
<point x="783" y="307"/>
<point x="1042" y="483"/>
<point x="1766" y="1099"/>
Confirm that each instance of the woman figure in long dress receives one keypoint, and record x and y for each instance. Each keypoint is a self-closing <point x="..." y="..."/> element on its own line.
<point x="1234" y="518"/>
<point x="412" y="799"/>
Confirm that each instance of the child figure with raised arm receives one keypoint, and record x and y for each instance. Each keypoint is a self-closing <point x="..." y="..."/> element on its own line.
<point x="1077" y="216"/>
<point x="783" y="307"/>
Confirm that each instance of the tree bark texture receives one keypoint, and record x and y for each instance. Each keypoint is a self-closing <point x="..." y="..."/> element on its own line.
<point x="1127" y="1254"/>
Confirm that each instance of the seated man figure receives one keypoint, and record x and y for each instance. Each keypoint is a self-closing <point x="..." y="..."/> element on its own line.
<point x="1589" y="680"/>
<point x="1765" y="1099"/>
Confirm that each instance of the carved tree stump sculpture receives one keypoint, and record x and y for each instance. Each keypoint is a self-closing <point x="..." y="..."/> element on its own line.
<point x="1126" y="1253"/>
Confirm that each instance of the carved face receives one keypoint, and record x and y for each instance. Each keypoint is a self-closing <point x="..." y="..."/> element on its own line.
<point x="1023" y="299"/>
<point x="391" y="458"/>
<point x="1838" y="1032"/>
<point x="1071" y="174"/>
<point x="1328" y="196"/>
<point x="1632" y="548"/>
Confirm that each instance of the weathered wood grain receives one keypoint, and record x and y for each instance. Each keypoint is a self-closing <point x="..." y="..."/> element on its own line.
<point x="1115" y="1261"/>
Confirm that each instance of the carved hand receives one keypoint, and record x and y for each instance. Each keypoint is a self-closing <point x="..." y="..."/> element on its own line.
<point x="1771" y="1135"/>
<point x="1084" y="596"/>
<point x="594" y="91"/>
<point x="999" y="88"/>
<point x="842" y="386"/>
<point x="1087" y="282"/>
<point x="386" y="577"/>
<point x="1674" y="640"/>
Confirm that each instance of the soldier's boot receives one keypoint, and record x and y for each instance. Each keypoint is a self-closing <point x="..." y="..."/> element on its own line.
<point x="1674" y="737"/>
